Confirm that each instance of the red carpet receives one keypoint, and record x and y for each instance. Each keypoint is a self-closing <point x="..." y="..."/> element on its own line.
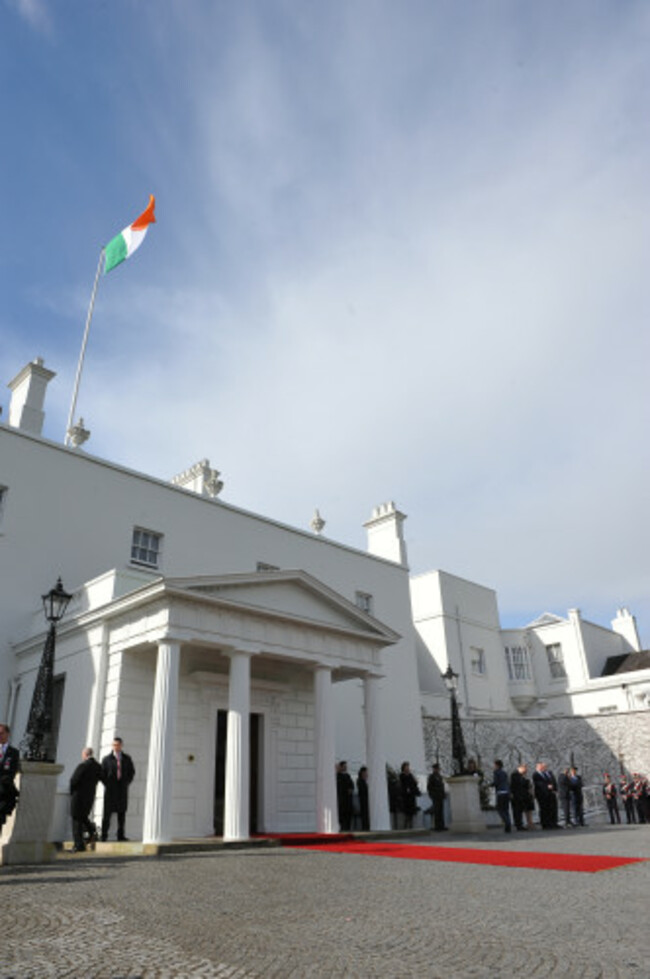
<point x="580" y="863"/>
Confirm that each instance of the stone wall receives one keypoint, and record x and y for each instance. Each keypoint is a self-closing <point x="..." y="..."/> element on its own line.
<point x="596" y="743"/>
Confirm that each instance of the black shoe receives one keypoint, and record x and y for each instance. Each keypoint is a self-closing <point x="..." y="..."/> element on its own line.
<point x="123" y="839"/>
<point x="78" y="849"/>
<point x="104" y="838"/>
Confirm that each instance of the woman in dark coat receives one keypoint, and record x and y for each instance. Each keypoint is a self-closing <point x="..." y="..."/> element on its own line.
<point x="410" y="793"/>
<point x="362" y="789"/>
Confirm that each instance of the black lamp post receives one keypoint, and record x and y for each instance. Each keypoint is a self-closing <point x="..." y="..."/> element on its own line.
<point x="458" y="750"/>
<point x="37" y="743"/>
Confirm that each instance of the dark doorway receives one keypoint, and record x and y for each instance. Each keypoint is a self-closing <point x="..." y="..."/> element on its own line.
<point x="255" y="797"/>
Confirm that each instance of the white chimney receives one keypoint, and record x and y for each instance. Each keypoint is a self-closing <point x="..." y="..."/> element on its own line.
<point x="27" y="397"/>
<point x="385" y="533"/>
<point x="625" y="625"/>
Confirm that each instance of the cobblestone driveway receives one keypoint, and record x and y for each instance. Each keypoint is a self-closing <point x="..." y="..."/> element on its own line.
<point x="295" y="914"/>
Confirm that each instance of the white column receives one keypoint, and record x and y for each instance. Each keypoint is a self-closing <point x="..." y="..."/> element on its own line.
<point x="376" y="762"/>
<point x="326" y="807"/>
<point x="159" y="791"/>
<point x="95" y="721"/>
<point x="236" y="805"/>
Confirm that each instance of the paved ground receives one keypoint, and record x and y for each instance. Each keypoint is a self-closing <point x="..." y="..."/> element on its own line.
<point x="297" y="914"/>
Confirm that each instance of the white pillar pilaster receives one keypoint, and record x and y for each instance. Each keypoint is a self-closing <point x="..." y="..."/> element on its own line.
<point x="326" y="805"/>
<point x="159" y="791"/>
<point x="236" y="806"/>
<point x="375" y="755"/>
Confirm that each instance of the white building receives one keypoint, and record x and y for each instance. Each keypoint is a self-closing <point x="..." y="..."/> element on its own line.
<point x="190" y="615"/>
<point x="238" y="657"/>
<point x="554" y="662"/>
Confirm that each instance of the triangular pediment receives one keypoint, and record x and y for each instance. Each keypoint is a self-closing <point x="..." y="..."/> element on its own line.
<point x="547" y="618"/>
<point x="295" y="595"/>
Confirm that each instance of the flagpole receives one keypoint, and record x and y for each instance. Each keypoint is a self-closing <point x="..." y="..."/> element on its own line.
<point x="83" y="349"/>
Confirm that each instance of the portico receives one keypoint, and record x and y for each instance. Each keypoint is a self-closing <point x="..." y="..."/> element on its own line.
<point x="225" y="687"/>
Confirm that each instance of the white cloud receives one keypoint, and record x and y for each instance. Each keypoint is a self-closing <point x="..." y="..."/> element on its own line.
<point x="36" y="13"/>
<point x="400" y="259"/>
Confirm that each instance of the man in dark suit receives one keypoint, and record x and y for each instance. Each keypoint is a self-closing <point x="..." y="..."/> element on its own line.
<point x="9" y="768"/>
<point x="521" y="798"/>
<point x="82" y="791"/>
<point x="118" y="772"/>
<point x="545" y="787"/>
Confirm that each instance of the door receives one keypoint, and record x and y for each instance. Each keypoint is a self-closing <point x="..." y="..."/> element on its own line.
<point x="256" y="741"/>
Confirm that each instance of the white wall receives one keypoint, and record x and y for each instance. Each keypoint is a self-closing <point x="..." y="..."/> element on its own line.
<point x="454" y="617"/>
<point x="72" y="515"/>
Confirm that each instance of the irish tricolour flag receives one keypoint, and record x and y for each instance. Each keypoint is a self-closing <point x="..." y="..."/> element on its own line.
<point x="129" y="240"/>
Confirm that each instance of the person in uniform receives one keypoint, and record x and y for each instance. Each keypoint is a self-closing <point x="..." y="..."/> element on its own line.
<point x="611" y="801"/>
<point x="639" y="796"/>
<point x="577" y="796"/>
<point x="501" y="784"/>
<point x="628" y="799"/>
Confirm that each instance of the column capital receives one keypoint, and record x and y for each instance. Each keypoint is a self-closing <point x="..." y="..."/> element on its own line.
<point x="243" y="648"/>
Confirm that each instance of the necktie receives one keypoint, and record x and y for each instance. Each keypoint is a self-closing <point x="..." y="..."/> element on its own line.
<point x="119" y="767"/>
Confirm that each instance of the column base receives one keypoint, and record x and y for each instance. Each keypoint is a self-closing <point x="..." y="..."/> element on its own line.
<point x="36" y="851"/>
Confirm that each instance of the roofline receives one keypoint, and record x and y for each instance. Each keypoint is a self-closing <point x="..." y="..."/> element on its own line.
<point x="81" y="455"/>
<point x="162" y="588"/>
<point x="456" y="577"/>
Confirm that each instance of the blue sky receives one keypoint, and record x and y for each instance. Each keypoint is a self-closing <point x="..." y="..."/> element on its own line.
<point x="401" y="253"/>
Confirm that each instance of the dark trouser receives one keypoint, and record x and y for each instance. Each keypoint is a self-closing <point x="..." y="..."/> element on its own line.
<point x="106" y="822"/>
<point x="566" y="808"/>
<point x="438" y="814"/>
<point x="547" y="810"/>
<point x="578" y="808"/>
<point x="629" y="811"/>
<point x="612" y="809"/>
<point x="78" y="827"/>
<point x="640" y="810"/>
<point x="365" y="816"/>
<point x="518" y="813"/>
<point x="345" y="818"/>
<point x="8" y="797"/>
<point x="503" y="808"/>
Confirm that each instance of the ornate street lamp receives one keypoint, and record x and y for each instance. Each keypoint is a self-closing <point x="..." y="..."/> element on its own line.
<point x="37" y="743"/>
<point x="458" y="750"/>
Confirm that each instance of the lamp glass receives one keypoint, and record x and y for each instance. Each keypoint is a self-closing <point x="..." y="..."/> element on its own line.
<point x="56" y="602"/>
